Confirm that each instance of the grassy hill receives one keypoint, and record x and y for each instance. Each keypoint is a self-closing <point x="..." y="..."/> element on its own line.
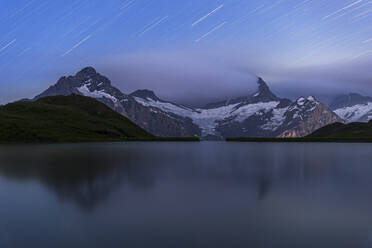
<point x="65" y="119"/>
<point x="352" y="131"/>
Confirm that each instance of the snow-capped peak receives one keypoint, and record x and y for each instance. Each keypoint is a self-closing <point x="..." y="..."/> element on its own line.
<point x="84" y="89"/>
<point x="311" y="99"/>
<point x="301" y="101"/>
<point x="87" y="71"/>
<point x="306" y="101"/>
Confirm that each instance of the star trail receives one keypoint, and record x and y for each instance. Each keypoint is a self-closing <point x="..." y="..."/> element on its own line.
<point x="327" y="41"/>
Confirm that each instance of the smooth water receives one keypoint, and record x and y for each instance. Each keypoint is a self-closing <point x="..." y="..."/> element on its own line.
<point x="209" y="194"/>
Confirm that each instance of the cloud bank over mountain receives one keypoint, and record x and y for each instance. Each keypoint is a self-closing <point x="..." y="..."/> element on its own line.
<point x="198" y="78"/>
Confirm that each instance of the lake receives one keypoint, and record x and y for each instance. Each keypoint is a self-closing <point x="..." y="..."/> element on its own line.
<point x="208" y="194"/>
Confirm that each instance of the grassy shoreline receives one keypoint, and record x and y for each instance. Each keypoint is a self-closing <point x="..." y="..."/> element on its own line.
<point x="160" y="139"/>
<point x="46" y="142"/>
<point x="301" y="140"/>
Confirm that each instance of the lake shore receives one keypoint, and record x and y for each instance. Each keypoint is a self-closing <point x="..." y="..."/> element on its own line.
<point x="301" y="140"/>
<point x="156" y="139"/>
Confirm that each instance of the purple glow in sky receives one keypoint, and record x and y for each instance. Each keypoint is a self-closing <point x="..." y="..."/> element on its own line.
<point x="189" y="50"/>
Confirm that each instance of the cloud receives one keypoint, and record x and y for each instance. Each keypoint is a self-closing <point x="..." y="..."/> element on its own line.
<point x="187" y="77"/>
<point x="325" y="81"/>
<point x="200" y="77"/>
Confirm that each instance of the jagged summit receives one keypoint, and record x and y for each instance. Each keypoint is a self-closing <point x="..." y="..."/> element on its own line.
<point x="264" y="93"/>
<point x="264" y="90"/>
<point x="145" y="94"/>
<point x="83" y="81"/>
<point x="304" y="101"/>
<point x="87" y="71"/>
<point x="306" y="115"/>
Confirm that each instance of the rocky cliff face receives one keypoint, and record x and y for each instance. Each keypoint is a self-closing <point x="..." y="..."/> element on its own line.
<point x="305" y="116"/>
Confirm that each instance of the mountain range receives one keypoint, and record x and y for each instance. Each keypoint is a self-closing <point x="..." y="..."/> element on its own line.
<point x="258" y="114"/>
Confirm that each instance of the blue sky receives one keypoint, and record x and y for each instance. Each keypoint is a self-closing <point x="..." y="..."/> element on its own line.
<point x="299" y="46"/>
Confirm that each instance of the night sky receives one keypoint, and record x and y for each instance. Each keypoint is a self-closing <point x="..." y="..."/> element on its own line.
<point x="190" y="51"/>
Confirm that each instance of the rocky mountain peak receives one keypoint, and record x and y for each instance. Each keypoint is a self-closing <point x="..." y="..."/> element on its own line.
<point x="86" y="82"/>
<point x="302" y="108"/>
<point x="264" y="93"/>
<point x="92" y="79"/>
<point x="87" y="71"/>
<point x="145" y="94"/>
<point x="305" y="116"/>
<point x="302" y="101"/>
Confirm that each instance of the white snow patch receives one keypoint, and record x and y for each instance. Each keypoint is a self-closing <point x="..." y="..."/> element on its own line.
<point x="311" y="98"/>
<point x="207" y="119"/>
<point x="301" y="101"/>
<point x="95" y="94"/>
<point x="354" y="113"/>
<point x="276" y="120"/>
<point x="165" y="106"/>
<point x="246" y="111"/>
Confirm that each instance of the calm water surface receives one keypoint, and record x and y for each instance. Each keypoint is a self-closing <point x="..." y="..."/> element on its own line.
<point x="186" y="195"/>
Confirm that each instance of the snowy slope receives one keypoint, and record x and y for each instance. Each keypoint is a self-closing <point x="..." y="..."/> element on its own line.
<point x="84" y="89"/>
<point x="208" y="119"/>
<point x="277" y="119"/>
<point x="359" y="112"/>
<point x="353" y="107"/>
<point x="165" y="106"/>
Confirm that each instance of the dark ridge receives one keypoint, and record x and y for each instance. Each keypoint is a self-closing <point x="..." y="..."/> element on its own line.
<point x="87" y="71"/>
<point x="145" y="94"/>
<point x="301" y="140"/>
<point x="355" y="130"/>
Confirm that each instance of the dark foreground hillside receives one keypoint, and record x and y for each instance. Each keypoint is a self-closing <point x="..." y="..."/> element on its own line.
<point x="65" y="119"/>
<point x="355" y="130"/>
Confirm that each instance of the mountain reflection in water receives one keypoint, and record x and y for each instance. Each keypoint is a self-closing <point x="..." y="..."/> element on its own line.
<point x="209" y="194"/>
